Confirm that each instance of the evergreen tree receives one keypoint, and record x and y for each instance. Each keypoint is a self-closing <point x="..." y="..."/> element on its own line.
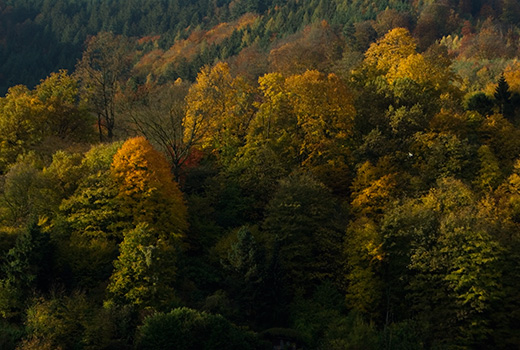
<point x="503" y="98"/>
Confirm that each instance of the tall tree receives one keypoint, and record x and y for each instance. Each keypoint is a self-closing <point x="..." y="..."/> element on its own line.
<point x="503" y="98"/>
<point x="146" y="191"/>
<point x="101" y="72"/>
<point x="304" y="220"/>
<point x="158" y="112"/>
<point x="219" y="110"/>
<point x="144" y="271"/>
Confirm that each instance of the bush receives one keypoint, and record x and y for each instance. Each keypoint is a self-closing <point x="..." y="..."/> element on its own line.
<point x="187" y="329"/>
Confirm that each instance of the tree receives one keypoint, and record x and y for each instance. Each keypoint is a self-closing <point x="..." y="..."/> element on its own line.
<point x="21" y="127"/>
<point x="444" y="264"/>
<point x="315" y="48"/>
<point x="219" y="110"/>
<point x="503" y="98"/>
<point x="159" y="114"/>
<point x="390" y="19"/>
<point x="64" y="118"/>
<point x="373" y="189"/>
<point x="100" y="71"/>
<point x="386" y="54"/>
<point x="303" y="217"/>
<point x="481" y="103"/>
<point x="184" y="328"/>
<point x="91" y="210"/>
<point x="19" y="196"/>
<point x="248" y="278"/>
<point x="144" y="272"/>
<point x="26" y="268"/>
<point x="89" y="225"/>
<point x="363" y="254"/>
<point x="324" y="109"/>
<point x="305" y="120"/>
<point x="146" y="191"/>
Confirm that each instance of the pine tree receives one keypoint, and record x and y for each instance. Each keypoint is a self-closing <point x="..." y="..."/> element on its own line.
<point x="503" y="98"/>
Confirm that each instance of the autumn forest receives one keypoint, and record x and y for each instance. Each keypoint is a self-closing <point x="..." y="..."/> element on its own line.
<point x="215" y="174"/>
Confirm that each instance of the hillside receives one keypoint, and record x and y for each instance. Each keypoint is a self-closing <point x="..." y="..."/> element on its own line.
<point x="233" y="175"/>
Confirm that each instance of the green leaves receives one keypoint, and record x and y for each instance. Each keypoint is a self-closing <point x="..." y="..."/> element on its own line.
<point x="144" y="271"/>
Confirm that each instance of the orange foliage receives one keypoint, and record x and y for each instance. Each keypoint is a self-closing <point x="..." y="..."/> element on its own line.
<point x="147" y="39"/>
<point x="157" y="61"/>
<point x="147" y="192"/>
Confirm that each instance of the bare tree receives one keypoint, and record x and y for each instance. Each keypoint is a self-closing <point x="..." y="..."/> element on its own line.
<point x="158" y="113"/>
<point x="101" y="70"/>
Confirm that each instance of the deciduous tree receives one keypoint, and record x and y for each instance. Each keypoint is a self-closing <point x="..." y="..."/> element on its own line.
<point x="104" y="63"/>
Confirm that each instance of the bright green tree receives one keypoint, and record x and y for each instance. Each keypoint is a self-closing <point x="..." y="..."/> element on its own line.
<point x="144" y="271"/>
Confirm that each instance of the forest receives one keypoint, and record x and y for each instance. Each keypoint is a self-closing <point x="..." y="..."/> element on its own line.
<point x="309" y="174"/>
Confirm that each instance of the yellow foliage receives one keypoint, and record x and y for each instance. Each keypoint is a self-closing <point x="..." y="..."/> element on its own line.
<point x="325" y="112"/>
<point x="512" y="76"/>
<point x="413" y="67"/>
<point x="386" y="54"/>
<point x="373" y="189"/>
<point x="219" y="108"/>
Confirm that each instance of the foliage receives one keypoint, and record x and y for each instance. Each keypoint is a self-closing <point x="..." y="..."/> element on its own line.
<point x="348" y="169"/>
<point x="301" y="218"/>
<point x="146" y="192"/>
<point x="144" y="271"/>
<point x="188" y="329"/>
<point x="26" y="268"/>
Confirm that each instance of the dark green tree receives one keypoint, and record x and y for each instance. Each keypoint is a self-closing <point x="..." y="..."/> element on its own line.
<point x="26" y="268"/>
<point x="503" y="98"/>
<point x="189" y="329"/>
<point x="305" y="220"/>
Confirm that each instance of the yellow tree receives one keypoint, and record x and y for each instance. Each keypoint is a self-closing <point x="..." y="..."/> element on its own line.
<point x="20" y="124"/>
<point x="325" y="113"/>
<point x="386" y="54"/>
<point x="219" y="109"/>
<point x="307" y="119"/>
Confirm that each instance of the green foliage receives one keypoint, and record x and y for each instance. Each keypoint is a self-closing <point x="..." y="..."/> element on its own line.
<point x="25" y="269"/>
<point x="441" y="240"/>
<point x="503" y="98"/>
<point x="144" y="271"/>
<point x="57" y="322"/>
<point x="20" y="193"/>
<point x="185" y="328"/>
<point x="481" y="103"/>
<point x="9" y="335"/>
<point x="303" y="218"/>
<point x="352" y="332"/>
<point x="314" y="317"/>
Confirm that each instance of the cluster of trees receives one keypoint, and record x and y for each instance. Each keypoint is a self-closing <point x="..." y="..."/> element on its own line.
<point x="344" y="187"/>
<point x="38" y="37"/>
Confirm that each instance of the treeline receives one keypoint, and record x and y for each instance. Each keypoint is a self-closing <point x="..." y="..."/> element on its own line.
<point x="39" y="37"/>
